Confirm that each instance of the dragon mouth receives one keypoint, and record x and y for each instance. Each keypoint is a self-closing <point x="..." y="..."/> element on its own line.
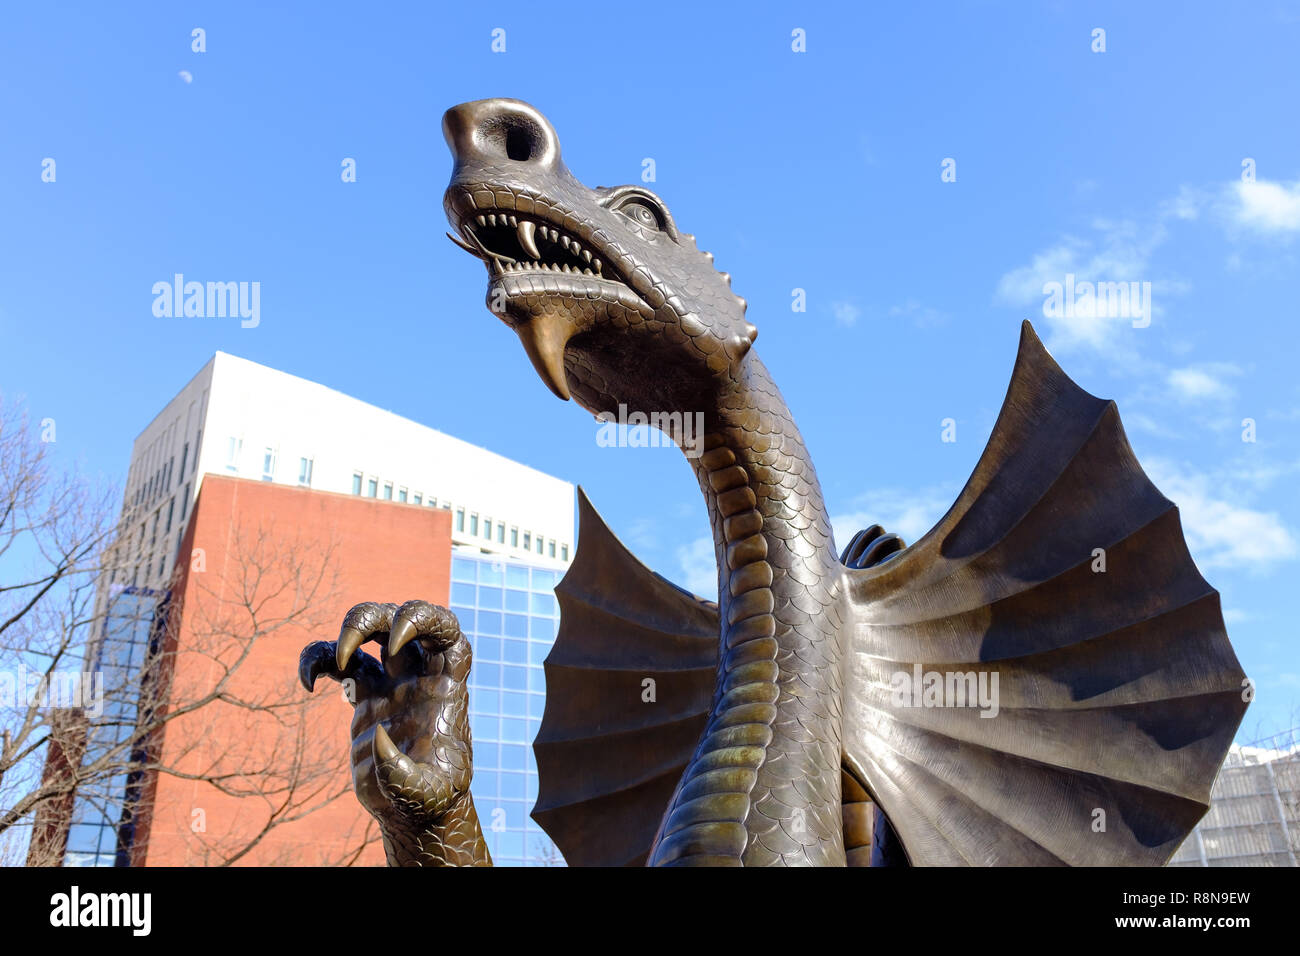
<point x="513" y="244"/>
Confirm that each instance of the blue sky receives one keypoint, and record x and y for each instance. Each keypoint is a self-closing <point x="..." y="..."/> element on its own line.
<point x="818" y="170"/>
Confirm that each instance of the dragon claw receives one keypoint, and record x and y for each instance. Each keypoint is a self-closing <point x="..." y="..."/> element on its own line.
<point x="316" y="658"/>
<point x="350" y="638"/>
<point x="401" y="634"/>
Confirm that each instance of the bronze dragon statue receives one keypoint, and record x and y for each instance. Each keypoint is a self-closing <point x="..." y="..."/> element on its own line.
<point x="821" y="685"/>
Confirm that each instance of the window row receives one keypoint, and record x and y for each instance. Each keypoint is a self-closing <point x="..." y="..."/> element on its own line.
<point x="270" y="456"/>
<point x="524" y="541"/>
<point x="465" y="522"/>
<point x="370" y="487"/>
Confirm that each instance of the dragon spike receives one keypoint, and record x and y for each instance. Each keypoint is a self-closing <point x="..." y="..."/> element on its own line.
<point x="544" y="337"/>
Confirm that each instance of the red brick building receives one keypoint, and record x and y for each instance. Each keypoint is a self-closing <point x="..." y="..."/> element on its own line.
<point x="258" y="555"/>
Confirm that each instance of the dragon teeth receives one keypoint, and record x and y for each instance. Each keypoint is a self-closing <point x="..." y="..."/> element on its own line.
<point x="525" y="232"/>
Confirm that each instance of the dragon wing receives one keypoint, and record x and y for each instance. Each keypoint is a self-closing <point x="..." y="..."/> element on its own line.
<point x="1062" y="571"/>
<point x="628" y="687"/>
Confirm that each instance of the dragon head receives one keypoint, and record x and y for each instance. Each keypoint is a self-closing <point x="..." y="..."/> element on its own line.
<point x="612" y="303"/>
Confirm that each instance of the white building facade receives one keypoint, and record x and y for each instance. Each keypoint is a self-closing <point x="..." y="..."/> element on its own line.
<point x="236" y="417"/>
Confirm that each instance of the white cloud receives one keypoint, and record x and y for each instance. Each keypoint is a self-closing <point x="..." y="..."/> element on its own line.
<point x="1204" y="382"/>
<point x="846" y="313"/>
<point x="1186" y="205"/>
<point x="1119" y="252"/>
<point x="903" y="512"/>
<point x="921" y="316"/>
<point x="699" y="568"/>
<point x="1266" y="206"/>
<point x="1221" y="530"/>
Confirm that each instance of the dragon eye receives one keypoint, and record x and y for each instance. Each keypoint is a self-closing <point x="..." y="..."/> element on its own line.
<point x="642" y="213"/>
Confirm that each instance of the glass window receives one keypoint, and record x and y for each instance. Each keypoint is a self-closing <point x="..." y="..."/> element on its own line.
<point x="564" y="552"/>
<point x="445" y="506"/>
<point x="473" y="524"/>
<point x="488" y="675"/>
<point x="489" y="622"/>
<point x="198" y="443"/>
<point x="513" y="756"/>
<point x="528" y="540"/>
<point x="540" y="539"/>
<point x="501" y="533"/>
<point x="487" y="528"/>
<point x="485" y="755"/>
<point x="542" y="628"/>
<point x="514" y="678"/>
<point x="233" y="447"/>
<point x="516" y="577"/>
<point x="372" y="487"/>
<point x="185" y="502"/>
<point x="490" y="574"/>
<point x="460" y="519"/>
<point x="537" y="679"/>
<point x="550" y="548"/>
<point x="171" y="509"/>
<point x="515" y="652"/>
<point x="489" y="597"/>
<point x="515" y="730"/>
<point x="463" y="593"/>
<point x="305" y="466"/>
<point x="401" y="494"/>
<point x="514" y="537"/>
<point x="418" y="499"/>
<point x="463" y="569"/>
<point x="517" y="601"/>
<point x="510" y="843"/>
<point x="516" y="625"/>
<point x="356" y="482"/>
<point x="388" y="491"/>
<point x="487" y="648"/>
<point x="537" y="652"/>
<point x="185" y="455"/>
<point x="268" y="464"/>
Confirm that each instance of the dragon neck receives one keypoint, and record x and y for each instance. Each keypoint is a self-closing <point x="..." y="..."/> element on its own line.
<point x="763" y="785"/>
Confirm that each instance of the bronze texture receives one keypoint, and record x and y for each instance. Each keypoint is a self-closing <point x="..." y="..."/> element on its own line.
<point x="412" y="758"/>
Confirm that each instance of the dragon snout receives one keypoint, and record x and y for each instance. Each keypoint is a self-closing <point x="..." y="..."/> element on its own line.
<point x="491" y="132"/>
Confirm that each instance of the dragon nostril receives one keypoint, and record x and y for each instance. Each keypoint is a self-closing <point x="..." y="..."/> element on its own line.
<point x="519" y="145"/>
<point x="511" y="136"/>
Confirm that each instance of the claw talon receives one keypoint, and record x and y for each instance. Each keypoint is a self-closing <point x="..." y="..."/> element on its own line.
<point x="402" y="633"/>
<point x="384" y="748"/>
<point x="349" y="640"/>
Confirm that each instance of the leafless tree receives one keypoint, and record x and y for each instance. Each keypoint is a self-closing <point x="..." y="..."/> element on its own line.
<point x="107" y="693"/>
